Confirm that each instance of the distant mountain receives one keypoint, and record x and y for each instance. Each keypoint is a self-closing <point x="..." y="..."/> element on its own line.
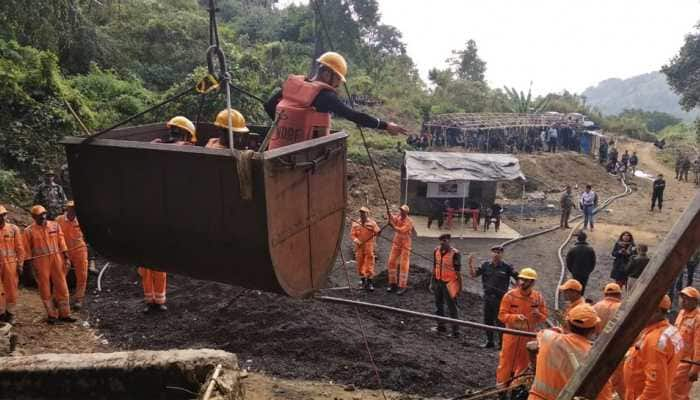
<point x="649" y="92"/>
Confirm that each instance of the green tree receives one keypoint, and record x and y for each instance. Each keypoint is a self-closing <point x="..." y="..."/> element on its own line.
<point x="518" y="102"/>
<point x="683" y="71"/>
<point x="467" y="64"/>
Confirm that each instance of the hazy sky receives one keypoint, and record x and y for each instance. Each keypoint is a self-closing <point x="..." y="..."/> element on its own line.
<point x="556" y="44"/>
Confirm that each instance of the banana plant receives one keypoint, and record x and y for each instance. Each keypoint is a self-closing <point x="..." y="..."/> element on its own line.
<point x="518" y="102"/>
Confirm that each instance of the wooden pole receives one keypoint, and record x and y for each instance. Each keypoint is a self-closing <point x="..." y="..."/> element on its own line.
<point x="621" y="331"/>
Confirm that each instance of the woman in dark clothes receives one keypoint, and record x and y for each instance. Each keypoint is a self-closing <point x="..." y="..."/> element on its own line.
<point x="622" y="252"/>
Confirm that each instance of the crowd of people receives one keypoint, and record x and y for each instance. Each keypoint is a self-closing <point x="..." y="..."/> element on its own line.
<point x="515" y="140"/>
<point x="523" y="308"/>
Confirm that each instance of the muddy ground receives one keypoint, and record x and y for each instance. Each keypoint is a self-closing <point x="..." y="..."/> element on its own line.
<point x="310" y="340"/>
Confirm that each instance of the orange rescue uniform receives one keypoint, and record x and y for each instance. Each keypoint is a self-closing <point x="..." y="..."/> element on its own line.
<point x="154" y="285"/>
<point x="363" y="235"/>
<point x="688" y="323"/>
<point x="400" y="250"/>
<point x="571" y="305"/>
<point x="12" y="255"/>
<point x="652" y="362"/>
<point x="514" y="358"/>
<point x="606" y="309"/>
<point x="46" y="246"/>
<point x="297" y="120"/>
<point x="559" y="356"/>
<point x="77" y="252"/>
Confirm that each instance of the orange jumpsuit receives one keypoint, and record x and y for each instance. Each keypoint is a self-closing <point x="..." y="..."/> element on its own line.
<point x="363" y="235"/>
<point x="606" y="309"/>
<point x="77" y="253"/>
<point x="514" y="358"/>
<point x="688" y="323"/>
<point x="400" y="250"/>
<point x="571" y="305"/>
<point x="12" y="255"/>
<point x="46" y="245"/>
<point x="555" y="365"/>
<point x="652" y="362"/>
<point x="154" y="285"/>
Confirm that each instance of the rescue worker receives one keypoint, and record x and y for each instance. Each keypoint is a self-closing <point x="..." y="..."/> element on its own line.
<point x="51" y="195"/>
<point x="77" y="251"/>
<point x="560" y="354"/>
<point x="302" y="109"/>
<point x="572" y="291"/>
<point x="688" y="323"/>
<point x="495" y="280"/>
<point x="12" y="255"/>
<point x="581" y="260"/>
<point x="522" y="308"/>
<point x="47" y="249"/>
<point x="657" y="194"/>
<point x="446" y="281"/>
<point x="606" y="309"/>
<point x="651" y="363"/>
<point x="182" y="132"/>
<point x="363" y="234"/>
<point x="238" y="127"/>
<point x="399" y="257"/>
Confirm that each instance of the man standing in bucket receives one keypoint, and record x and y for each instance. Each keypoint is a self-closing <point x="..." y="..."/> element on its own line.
<point x="302" y="109"/>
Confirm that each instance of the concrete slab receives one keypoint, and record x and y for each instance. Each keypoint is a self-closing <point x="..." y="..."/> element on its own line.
<point x="458" y="231"/>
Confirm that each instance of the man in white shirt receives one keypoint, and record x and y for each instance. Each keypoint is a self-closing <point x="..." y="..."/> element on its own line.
<point x="588" y="203"/>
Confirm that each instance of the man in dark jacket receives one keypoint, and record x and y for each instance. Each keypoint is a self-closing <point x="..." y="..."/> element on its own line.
<point x="580" y="260"/>
<point x="636" y="266"/>
<point x="657" y="193"/>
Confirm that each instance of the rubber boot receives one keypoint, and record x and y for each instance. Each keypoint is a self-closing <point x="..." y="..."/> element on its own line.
<point x="370" y="285"/>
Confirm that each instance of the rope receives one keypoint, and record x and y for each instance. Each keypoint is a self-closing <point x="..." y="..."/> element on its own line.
<point x="362" y="327"/>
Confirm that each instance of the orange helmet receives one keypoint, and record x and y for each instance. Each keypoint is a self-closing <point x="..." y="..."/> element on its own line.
<point x="38" y="210"/>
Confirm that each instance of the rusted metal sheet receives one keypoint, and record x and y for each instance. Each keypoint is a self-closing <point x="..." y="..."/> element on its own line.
<point x="178" y="208"/>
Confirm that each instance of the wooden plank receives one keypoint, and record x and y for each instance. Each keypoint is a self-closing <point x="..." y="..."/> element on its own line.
<point x="619" y="334"/>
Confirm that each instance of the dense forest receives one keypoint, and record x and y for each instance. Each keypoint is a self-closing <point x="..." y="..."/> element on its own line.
<point x="110" y="59"/>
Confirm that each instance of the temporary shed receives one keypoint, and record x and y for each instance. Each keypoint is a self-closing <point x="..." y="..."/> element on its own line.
<point x="466" y="179"/>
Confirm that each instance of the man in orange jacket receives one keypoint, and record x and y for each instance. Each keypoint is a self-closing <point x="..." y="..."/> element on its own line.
<point x="12" y="255"/>
<point x="446" y="281"/>
<point x="688" y="323"/>
<point x="77" y="251"/>
<point x="606" y="309"/>
<point x="522" y="308"/>
<point x="302" y="109"/>
<point x="400" y="250"/>
<point x="572" y="291"/>
<point x="47" y="249"/>
<point x="561" y="354"/>
<point x="651" y="363"/>
<point x="363" y="234"/>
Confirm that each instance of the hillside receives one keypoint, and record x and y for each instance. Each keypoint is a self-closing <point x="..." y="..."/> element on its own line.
<point x="649" y="92"/>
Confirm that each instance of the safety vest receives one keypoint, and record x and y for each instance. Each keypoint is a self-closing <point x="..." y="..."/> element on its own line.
<point x="606" y="308"/>
<point x="688" y="324"/>
<point x="71" y="232"/>
<point x="11" y="244"/>
<point x="444" y="269"/>
<point x="297" y="120"/>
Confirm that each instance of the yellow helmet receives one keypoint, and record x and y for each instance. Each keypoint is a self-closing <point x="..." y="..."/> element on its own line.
<point x="528" y="273"/>
<point x="3" y="210"/>
<point x="70" y="203"/>
<point x="237" y="121"/>
<point x="38" y="210"/>
<point x="184" y="124"/>
<point x="336" y="62"/>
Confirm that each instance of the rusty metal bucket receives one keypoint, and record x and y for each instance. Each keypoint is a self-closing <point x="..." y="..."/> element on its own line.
<point x="179" y="208"/>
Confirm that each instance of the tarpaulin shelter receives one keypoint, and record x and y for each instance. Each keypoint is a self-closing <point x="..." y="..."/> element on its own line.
<point x="465" y="179"/>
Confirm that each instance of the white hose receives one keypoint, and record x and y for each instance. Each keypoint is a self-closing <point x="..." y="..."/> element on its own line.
<point x="561" y="248"/>
<point x="99" y="277"/>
